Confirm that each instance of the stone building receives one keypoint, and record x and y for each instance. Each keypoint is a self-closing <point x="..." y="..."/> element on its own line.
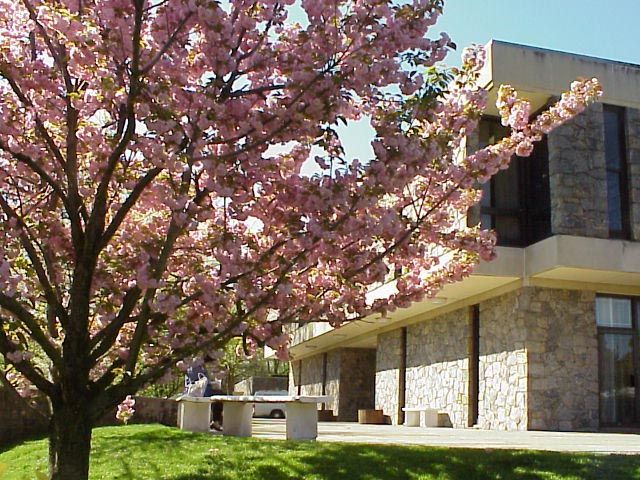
<point x="547" y="336"/>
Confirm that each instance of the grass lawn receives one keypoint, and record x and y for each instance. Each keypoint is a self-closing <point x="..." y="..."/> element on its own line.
<point x="150" y="452"/>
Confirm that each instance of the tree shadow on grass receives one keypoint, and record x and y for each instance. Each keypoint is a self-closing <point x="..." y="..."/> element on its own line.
<point x="362" y="462"/>
<point x="171" y="454"/>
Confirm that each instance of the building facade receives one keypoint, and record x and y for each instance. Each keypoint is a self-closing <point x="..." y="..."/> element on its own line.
<point x="547" y="336"/>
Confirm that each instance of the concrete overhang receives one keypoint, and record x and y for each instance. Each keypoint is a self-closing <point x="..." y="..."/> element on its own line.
<point x="607" y="265"/>
<point x="502" y="274"/>
<point x="561" y="261"/>
<point x="539" y="74"/>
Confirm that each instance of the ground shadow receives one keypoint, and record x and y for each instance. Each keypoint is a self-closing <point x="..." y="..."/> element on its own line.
<point x="281" y="460"/>
<point x="358" y="462"/>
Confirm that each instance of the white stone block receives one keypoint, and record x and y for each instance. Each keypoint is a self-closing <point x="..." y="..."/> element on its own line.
<point x="194" y="416"/>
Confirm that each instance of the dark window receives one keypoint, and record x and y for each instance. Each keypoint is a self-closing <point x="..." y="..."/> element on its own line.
<point x="617" y="182"/>
<point x="619" y="364"/>
<point x="516" y="201"/>
<point x="474" y="366"/>
<point x="402" y="380"/>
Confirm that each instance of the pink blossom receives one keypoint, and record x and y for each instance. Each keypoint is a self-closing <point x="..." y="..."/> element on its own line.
<point x="125" y="409"/>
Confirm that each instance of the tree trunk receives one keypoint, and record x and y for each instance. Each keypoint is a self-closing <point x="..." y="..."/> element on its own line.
<point x="70" y="442"/>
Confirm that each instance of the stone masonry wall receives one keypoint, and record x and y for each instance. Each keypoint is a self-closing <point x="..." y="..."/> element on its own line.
<point x="332" y="387"/>
<point x="577" y="176"/>
<point x="633" y="155"/>
<point x="357" y="382"/>
<point x="538" y="365"/>
<point x="502" y="399"/>
<point x="539" y="361"/>
<point x="310" y="371"/>
<point x="438" y="365"/>
<point x="562" y="346"/>
<point x="387" y="373"/>
<point x="311" y="376"/>
<point x="350" y="379"/>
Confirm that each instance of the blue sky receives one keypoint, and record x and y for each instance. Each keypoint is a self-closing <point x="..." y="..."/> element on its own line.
<point x="600" y="28"/>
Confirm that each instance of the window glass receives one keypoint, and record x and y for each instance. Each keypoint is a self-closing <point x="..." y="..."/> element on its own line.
<point x="614" y="204"/>
<point x="616" y="165"/>
<point x="506" y="186"/>
<point x="612" y="138"/>
<point x="485" y="221"/>
<point x="613" y="312"/>
<point x="617" y="379"/>
<point x="491" y="131"/>
<point x="516" y="202"/>
<point x="508" y="228"/>
<point x="485" y="201"/>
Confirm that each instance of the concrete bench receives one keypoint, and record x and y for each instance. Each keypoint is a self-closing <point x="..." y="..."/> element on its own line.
<point x="413" y="416"/>
<point x="237" y="412"/>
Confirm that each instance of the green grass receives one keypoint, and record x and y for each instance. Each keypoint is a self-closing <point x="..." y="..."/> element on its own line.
<point x="150" y="452"/>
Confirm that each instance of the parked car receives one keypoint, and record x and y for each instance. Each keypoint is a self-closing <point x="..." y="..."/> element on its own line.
<point x="271" y="410"/>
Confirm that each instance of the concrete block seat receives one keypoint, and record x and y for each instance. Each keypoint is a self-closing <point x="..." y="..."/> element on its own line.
<point x="413" y="416"/>
<point x="237" y="412"/>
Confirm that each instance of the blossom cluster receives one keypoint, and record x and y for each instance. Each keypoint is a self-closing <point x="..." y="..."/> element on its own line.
<point x="125" y="409"/>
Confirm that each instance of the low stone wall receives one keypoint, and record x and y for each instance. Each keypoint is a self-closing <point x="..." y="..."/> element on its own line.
<point x="156" y="410"/>
<point x="252" y="385"/>
<point x="19" y="422"/>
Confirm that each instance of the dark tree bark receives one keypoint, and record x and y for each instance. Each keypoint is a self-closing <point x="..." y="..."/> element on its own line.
<point x="70" y="442"/>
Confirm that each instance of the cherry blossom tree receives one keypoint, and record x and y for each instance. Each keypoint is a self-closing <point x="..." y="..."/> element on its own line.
<point x="152" y="201"/>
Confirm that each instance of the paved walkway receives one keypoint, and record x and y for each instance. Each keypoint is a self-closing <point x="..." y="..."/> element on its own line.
<point x="467" y="438"/>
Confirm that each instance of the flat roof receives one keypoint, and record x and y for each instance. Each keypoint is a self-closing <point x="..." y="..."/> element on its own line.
<point x="539" y="73"/>
<point x="588" y="58"/>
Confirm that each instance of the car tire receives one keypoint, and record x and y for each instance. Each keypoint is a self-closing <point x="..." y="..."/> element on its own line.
<point x="276" y="414"/>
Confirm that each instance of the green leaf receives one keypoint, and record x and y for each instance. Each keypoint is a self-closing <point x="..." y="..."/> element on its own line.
<point x="41" y="476"/>
<point x="3" y="468"/>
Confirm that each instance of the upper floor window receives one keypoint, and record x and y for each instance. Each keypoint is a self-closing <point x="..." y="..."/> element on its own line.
<point x="516" y="201"/>
<point x="616" y="166"/>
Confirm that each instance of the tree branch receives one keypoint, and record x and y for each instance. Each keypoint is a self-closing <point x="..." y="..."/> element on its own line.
<point x="31" y="324"/>
<point x="38" y="170"/>
<point x="39" y="268"/>
<point x="24" y="367"/>
<point x="105" y="338"/>
<point x="40" y="128"/>
<point x="128" y="204"/>
<point x="170" y="41"/>
<point x="58" y="58"/>
<point x="97" y="219"/>
<point x="5" y="381"/>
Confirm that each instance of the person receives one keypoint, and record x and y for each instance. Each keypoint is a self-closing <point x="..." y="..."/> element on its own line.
<point x="216" y="407"/>
<point x="195" y="373"/>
